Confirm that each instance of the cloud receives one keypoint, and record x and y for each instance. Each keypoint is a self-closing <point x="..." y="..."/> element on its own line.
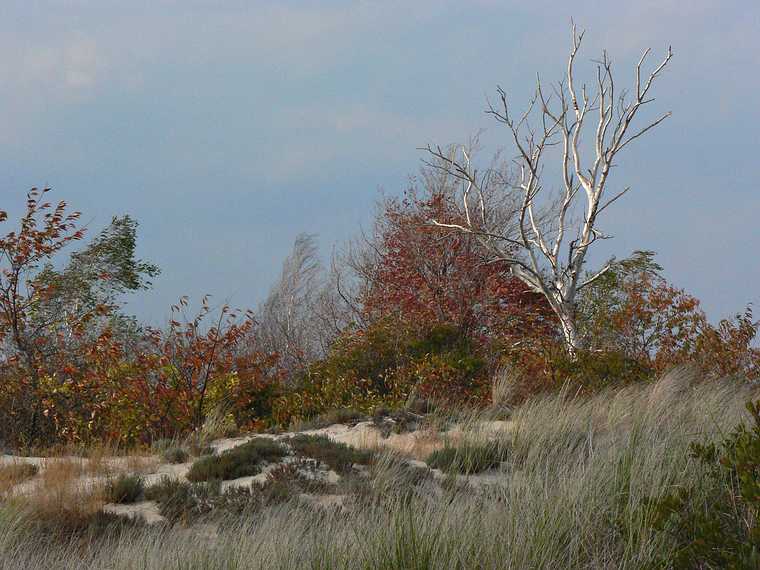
<point x="72" y="68"/>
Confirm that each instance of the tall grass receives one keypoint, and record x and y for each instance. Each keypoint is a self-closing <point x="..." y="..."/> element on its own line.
<point x="571" y="493"/>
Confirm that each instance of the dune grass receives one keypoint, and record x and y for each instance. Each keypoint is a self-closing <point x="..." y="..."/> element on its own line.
<point x="15" y="472"/>
<point x="572" y="493"/>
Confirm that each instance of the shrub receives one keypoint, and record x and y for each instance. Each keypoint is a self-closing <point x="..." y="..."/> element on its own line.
<point x="180" y="501"/>
<point x="284" y="483"/>
<point x="386" y="364"/>
<point x="125" y="489"/>
<point x="594" y="371"/>
<point x="337" y="456"/>
<point x="544" y="369"/>
<point x="75" y="527"/>
<point x="468" y="457"/>
<point x="162" y="490"/>
<point x="715" y="525"/>
<point x="241" y="461"/>
<point x="183" y="501"/>
<point x="175" y="455"/>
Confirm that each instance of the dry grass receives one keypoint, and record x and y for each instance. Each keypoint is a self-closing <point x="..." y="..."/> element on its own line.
<point x="62" y="501"/>
<point x="13" y="473"/>
<point x="571" y="494"/>
<point x="503" y="386"/>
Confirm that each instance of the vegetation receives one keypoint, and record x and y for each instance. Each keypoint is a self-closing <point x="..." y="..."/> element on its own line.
<point x="468" y="457"/>
<point x="715" y="523"/>
<point x="337" y="456"/>
<point x="125" y="489"/>
<point x="426" y="318"/>
<point x="241" y="461"/>
<point x="338" y="416"/>
<point x="180" y="501"/>
<point x="175" y="455"/>
<point x="580" y="489"/>
<point x="582" y="420"/>
<point x="12" y="474"/>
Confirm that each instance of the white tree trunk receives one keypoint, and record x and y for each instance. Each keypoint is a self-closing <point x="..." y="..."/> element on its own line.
<point x="540" y="254"/>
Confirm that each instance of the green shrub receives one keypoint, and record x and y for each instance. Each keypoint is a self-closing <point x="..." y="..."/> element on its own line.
<point x="125" y="489"/>
<point x="715" y="525"/>
<point x="175" y="455"/>
<point x="385" y="364"/>
<point x="164" y="489"/>
<point x="182" y="501"/>
<point x="283" y="484"/>
<point x="337" y="456"/>
<point x="468" y="457"/>
<point x="241" y="461"/>
<point x="595" y="370"/>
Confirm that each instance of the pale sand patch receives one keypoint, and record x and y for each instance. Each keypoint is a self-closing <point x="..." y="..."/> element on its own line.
<point x="89" y="475"/>
<point x="173" y="471"/>
<point x="147" y="510"/>
<point x="323" y="501"/>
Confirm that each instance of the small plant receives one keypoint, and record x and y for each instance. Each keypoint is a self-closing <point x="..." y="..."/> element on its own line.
<point x="175" y="455"/>
<point x="125" y="489"/>
<point x="182" y="501"/>
<point x="162" y="490"/>
<point x="468" y="457"/>
<point x="338" y="456"/>
<point x="241" y="461"/>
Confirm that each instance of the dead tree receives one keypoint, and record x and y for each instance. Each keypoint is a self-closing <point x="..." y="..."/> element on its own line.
<point x="549" y="257"/>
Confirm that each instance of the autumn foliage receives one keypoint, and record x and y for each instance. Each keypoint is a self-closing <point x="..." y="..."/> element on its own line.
<point x="426" y="274"/>
<point x="431" y="317"/>
<point x="73" y="369"/>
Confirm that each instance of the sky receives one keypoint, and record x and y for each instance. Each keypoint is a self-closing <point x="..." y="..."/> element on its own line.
<point x="226" y="128"/>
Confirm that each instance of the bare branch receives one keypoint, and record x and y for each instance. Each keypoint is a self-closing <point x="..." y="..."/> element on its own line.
<point x="557" y="119"/>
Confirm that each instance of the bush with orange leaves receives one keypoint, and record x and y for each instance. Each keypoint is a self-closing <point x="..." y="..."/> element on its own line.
<point x="73" y="369"/>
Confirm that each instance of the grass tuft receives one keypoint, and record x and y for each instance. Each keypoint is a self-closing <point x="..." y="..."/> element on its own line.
<point x="468" y="458"/>
<point x="124" y="489"/>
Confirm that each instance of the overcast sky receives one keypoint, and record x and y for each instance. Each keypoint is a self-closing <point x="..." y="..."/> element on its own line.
<point x="228" y="127"/>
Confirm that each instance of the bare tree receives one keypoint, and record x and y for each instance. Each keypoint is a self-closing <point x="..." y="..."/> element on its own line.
<point x="550" y="257"/>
